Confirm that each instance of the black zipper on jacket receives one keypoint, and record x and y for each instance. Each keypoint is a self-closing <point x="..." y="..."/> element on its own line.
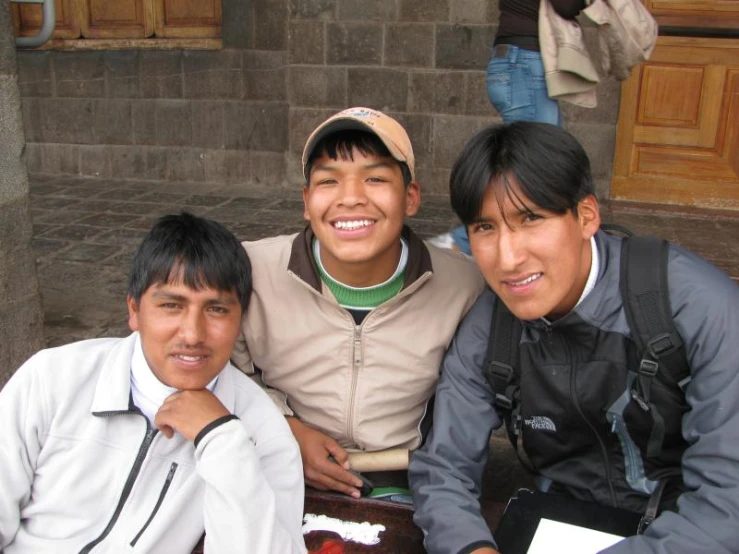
<point x="162" y="494"/>
<point x="133" y="474"/>
<point x="603" y="450"/>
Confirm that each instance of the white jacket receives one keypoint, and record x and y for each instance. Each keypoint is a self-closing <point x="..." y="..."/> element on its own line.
<point x="78" y="466"/>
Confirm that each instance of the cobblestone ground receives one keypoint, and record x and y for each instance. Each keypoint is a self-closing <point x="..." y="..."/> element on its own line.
<point x="85" y="231"/>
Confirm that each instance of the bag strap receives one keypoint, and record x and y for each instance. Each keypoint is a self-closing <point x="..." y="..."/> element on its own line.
<point x="502" y="371"/>
<point x="646" y="301"/>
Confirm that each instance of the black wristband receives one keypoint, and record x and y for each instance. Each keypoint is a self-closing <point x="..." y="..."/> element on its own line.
<point x="212" y="425"/>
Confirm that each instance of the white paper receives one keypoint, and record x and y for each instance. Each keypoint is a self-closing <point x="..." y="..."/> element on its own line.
<point x="555" y="536"/>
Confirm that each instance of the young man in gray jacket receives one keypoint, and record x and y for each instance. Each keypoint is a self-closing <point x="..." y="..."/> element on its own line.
<point x="586" y="418"/>
<point x="142" y="444"/>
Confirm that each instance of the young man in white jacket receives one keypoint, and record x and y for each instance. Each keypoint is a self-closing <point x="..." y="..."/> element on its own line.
<point x="142" y="444"/>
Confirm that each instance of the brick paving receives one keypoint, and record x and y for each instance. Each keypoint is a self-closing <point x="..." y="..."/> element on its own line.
<point x="86" y="229"/>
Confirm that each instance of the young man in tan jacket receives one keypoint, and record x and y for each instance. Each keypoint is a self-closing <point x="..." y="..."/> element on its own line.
<point x="350" y="318"/>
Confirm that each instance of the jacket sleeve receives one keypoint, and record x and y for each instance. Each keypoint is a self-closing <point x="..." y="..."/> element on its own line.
<point x="446" y="473"/>
<point x="21" y="435"/>
<point x="705" y="304"/>
<point x="254" y="490"/>
<point x="241" y="358"/>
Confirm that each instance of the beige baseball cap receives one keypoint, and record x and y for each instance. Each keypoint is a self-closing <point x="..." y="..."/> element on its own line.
<point x="389" y="131"/>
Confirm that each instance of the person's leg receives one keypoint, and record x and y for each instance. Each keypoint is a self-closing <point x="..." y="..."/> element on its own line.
<point x="517" y="88"/>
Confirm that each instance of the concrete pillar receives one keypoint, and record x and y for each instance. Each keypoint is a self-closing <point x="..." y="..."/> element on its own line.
<point x="21" y="317"/>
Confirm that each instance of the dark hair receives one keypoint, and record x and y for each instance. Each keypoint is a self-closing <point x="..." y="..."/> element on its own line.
<point x="340" y="144"/>
<point x="200" y="252"/>
<point x="550" y="167"/>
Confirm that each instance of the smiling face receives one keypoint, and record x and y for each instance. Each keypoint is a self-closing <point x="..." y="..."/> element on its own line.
<point x="186" y="334"/>
<point x="356" y="208"/>
<point x="535" y="260"/>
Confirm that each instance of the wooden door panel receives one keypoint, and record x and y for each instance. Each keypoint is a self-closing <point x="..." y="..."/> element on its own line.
<point x="27" y="19"/>
<point x="677" y="105"/>
<point x="695" y="13"/>
<point x="677" y="137"/>
<point x="116" y="19"/>
<point x="188" y="18"/>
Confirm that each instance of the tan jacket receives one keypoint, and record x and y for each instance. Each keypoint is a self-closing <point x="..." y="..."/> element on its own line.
<point x="568" y="70"/>
<point x="366" y="386"/>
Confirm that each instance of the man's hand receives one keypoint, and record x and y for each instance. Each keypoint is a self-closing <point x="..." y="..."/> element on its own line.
<point x="320" y="472"/>
<point x="485" y="550"/>
<point x="188" y="412"/>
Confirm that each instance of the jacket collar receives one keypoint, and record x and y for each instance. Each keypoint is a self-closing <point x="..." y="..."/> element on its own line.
<point x="304" y="266"/>
<point x="113" y="389"/>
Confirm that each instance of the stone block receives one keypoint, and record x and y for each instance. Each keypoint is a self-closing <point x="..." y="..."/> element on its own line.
<point x="137" y="162"/>
<point x="237" y="27"/>
<point x="433" y="181"/>
<point x="598" y="140"/>
<point x="33" y="124"/>
<point x="477" y="101"/>
<point x="122" y="73"/>
<point x="463" y="46"/>
<point x="212" y="74"/>
<point x="95" y="160"/>
<point x="436" y="91"/>
<point x="409" y="44"/>
<point x="33" y="157"/>
<point x="302" y="123"/>
<point x="208" y="125"/>
<point x="266" y="169"/>
<point x="306" y="42"/>
<point x="451" y="133"/>
<point x="161" y="73"/>
<point x="253" y="126"/>
<point x="144" y="121"/>
<point x="429" y="10"/>
<point x="113" y="121"/>
<point x="362" y="10"/>
<point x="474" y="11"/>
<point x="609" y="96"/>
<point x="270" y="30"/>
<point x="312" y="9"/>
<point x="320" y="87"/>
<point x="357" y="43"/>
<point x="173" y="122"/>
<point x="265" y="75"/>
<point x="60" y="158"/>
<point x="382" y="89"/>
<point x="185" y="164"/>
<point x="34" y="74"/>
<point x="225" y="166"/>
<point x="79" y="74"/>
<point x="68" y="120"/>
<point x="420" y="130"/>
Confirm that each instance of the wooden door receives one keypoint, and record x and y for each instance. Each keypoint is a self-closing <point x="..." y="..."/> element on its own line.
<point x="678" y="126"/>
<point x="27" y="19"/>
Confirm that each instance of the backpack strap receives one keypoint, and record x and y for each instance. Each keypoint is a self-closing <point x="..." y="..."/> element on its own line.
<point x="646" y="301"/>
<point x="502" y="371"/>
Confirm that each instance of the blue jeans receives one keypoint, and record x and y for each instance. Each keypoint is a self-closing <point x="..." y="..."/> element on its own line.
<point x="517" y="88"/>
<point x="518" y="91"/>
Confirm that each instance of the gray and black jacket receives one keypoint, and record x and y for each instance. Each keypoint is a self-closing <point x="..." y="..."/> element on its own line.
<point x="574" y="378"/>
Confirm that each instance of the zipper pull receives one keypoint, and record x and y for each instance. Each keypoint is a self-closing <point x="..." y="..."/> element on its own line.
<point x="639" y="400"/>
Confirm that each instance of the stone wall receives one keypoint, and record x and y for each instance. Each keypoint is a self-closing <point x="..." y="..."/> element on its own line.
<point x="242" y="114"/>
<point x="20" y="307"/>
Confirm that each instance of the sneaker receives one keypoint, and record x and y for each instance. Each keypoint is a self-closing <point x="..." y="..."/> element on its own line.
<point x="444" y="241"/>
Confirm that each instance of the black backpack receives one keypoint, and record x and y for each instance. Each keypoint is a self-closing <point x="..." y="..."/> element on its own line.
<point x="643" y="283"/>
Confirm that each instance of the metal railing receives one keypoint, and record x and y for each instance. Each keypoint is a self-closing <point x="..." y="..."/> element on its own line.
<point x="48" y="21"/>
